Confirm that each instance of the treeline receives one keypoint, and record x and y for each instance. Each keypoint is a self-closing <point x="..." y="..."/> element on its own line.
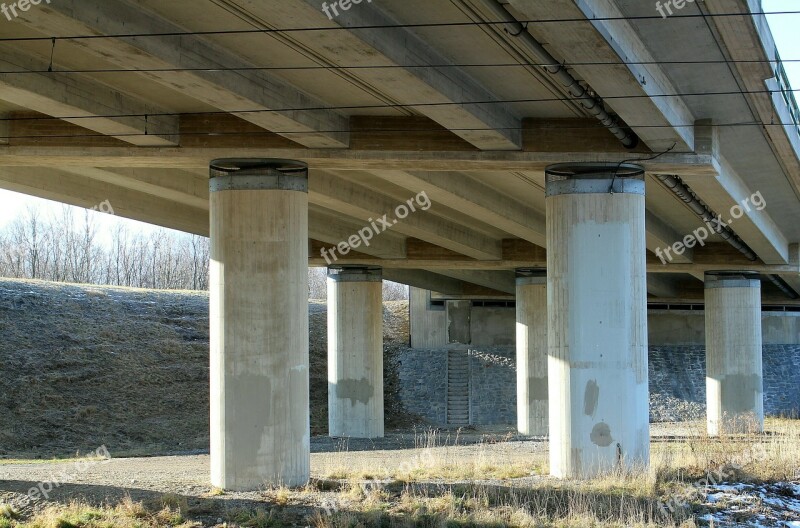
<point x="67" y="245"/>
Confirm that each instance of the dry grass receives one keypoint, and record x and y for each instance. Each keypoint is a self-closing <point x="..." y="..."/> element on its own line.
<point x="624" y="499"/>
<point x="770" y="457"/>
<point x="443" y="484"/>
<point x="436" y="458"/>
<point x="126" y="514"/>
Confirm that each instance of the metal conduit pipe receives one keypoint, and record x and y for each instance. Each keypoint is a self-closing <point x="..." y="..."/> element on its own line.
<point x="782" y="286"/>
<point x="591" y="104"/>
<point x="682" y="191"/>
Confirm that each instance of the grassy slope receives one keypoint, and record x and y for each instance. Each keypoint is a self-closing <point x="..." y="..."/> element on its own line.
<point x="84" y="366"/>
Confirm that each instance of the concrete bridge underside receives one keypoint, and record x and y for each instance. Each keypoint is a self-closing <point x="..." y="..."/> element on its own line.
<point x="459" y="102"/>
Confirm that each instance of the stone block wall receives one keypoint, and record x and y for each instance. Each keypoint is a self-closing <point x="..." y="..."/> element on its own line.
<point x="493" y="386"/>
<point x="423" y="383"/>
<point x="677" y="383"/>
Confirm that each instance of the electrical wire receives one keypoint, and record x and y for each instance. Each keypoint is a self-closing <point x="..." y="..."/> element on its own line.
<point x="357" y="67"/>
<point x="475" y="23"/>
<point x="623" y="162"/>
<point x="388" y="106"/>
<point x="372" y="130"/>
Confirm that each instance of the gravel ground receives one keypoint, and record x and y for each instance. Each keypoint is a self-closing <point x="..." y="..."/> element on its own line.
<point x="188" y="474"/>
<point x="149" y="479"/>
<point x="185" y="478"/>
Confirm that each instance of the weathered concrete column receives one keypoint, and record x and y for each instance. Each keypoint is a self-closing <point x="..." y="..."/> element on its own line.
<point x="532" y="400"/>
<point x="355" y="352"/>
<point x="734" y="379"/>
<point x="597" y="312"/>
<point x="260" y="431"/>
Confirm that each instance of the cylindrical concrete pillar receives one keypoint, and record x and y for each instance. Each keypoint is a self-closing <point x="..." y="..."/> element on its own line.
<point x="597" y="314"/>
<point x="734" y="379"/>
<point x="532" y="404"/>
<point x="260" y="433"/>
<point x="355" y="352"/>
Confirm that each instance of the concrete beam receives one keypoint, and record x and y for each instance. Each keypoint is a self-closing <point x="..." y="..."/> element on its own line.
<point x="754" y="64"/>
<point x="701" y="165"/>
<point x="379" y="47"/>
<point x="726" y="191"/>
<point x="331" y="228"/>
<point x="503" y="281"/>
<point x="185" y="189"/>
<point x="462" y="193"/>
<point x="86" y="192"/>
<point x="427" y="280"/>
<point x="793" y="279"/>
<point x="660" y="286"/>
<point x="79" y="100"/>
<point x="661" y="236"/>
<point x="609" y="41"/>
<point x="247" y="90"/>
<point x="362" y="203"/>
<point x="653" y="265"/>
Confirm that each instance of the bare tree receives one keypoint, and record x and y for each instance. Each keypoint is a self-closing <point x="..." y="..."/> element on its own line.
<point x="64" y="246"/>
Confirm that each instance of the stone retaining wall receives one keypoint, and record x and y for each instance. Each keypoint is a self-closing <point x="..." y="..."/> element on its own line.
<point x="677" y="383"/>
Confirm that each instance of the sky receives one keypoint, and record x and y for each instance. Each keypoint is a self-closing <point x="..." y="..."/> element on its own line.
<point x="784" y="30"/>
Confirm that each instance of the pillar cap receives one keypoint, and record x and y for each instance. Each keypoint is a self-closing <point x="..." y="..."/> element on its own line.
<point x="531" y="276"/>
<point x="241" y="174"/>
<point x="732" y="279"/>
<point x="355" y="273"/>
<point x="594" y="178"/>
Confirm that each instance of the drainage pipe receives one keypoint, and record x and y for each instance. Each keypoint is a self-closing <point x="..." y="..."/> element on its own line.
<point x="553" y="67"/>
<point x="682" y="191"/>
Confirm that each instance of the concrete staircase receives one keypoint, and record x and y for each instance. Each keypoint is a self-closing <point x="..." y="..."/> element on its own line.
<point x="457" y="387"/>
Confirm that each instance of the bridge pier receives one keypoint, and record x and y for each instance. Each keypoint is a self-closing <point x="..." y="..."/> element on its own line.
<point x="734" y="379"/>
<point x="597" y="332"/>
<point x="532" y="404"/>
<point x="355" y="352"/>
<point x="260" y="432"/>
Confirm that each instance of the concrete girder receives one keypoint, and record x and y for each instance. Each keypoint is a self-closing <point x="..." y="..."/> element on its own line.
<point x="326" y="226"/>
<point x="186" y="189"/>
<point x="362" y="203"/>
<point x="428" y="280"/>
<point x="607" y="41"/>
<point x="757" y="229"/>
<point x="488" y="126"/>
<point x="83" y="191"/>
<point x="345" y="159"/>
<point x="502" y="281"/>
<point x="79" y="100"/>
<point x="661" y="286"/>
<point x="754" y="64"/>
<point x="247" y="90"/>
<point x="462" y="193"/>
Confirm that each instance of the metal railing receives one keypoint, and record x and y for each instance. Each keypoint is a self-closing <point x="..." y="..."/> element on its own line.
<point x="786" y="90"/>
